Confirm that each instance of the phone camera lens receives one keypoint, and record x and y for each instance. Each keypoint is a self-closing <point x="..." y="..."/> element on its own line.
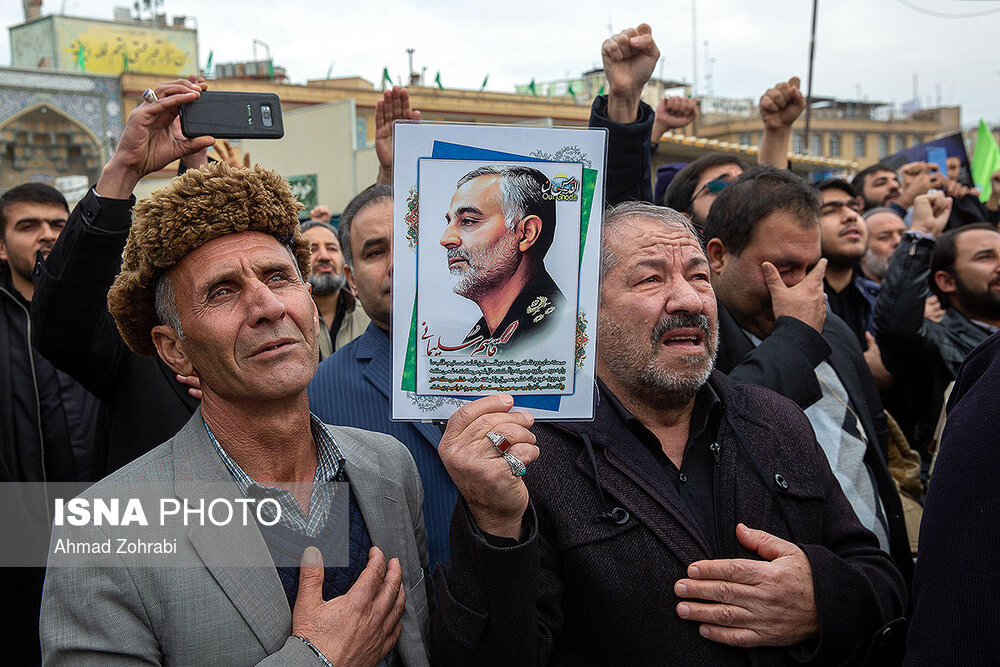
<point x="265" y="112"/>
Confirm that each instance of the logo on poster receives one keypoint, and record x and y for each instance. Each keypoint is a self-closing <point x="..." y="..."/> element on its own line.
<point x="562" y="188"/>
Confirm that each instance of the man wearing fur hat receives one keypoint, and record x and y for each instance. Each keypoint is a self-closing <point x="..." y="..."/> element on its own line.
<point x="212" y="281"/>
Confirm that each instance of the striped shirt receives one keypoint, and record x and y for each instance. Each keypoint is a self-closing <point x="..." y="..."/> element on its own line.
<point x="329" y="468"/>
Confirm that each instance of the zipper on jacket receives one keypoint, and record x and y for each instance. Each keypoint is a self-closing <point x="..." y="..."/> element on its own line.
<point x="715" y="494"/>
<point x="38" y="400"/>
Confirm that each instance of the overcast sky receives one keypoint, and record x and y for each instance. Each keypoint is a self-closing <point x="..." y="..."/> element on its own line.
<point x="871" y="46"/>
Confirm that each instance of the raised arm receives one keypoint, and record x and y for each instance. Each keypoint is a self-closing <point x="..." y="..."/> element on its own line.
<point x="899" y="311"/>
<point x="394" y="105"/>
<point x="71" y="325"/>
<point x="629" y="58"/>
<point x="779" y="108"/>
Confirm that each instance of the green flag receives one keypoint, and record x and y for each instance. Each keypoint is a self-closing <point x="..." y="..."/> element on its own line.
<point x="531" y="87"/>
<point x="386" y="79"/>
<point x="437" y="80"/>
<point x="208" y="65"/>
<point x="570" y="91"/>
<point x="124" y="62"/>
<point x="485" y="79"/>
<point x="601" y="91"/>
<point x="270" y="69"/>
<point x="81" y="59"/>
<point x="985" y="160"/>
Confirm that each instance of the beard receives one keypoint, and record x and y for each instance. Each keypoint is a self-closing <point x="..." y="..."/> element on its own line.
<point x="488" y="268"/>
<point x="875" y="265"/>
<point x="23" y="265"/>
<point x="324" y="284"/>
<point x="639" y="370"/>
<point x="980" y="305"/>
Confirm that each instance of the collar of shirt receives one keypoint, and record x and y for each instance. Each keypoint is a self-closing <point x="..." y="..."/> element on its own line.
<point x="706" y="404"/>
<point x="329" y="468"/>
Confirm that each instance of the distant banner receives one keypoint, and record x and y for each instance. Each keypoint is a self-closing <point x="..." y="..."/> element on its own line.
<point x="953" y="145"/>
<point x="305" y="189"/>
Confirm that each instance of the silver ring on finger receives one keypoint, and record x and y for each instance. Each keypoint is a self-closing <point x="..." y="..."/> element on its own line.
<point x="517" y="467"/>
<point x="502" y="444"/>
<point x="149" y="95"/>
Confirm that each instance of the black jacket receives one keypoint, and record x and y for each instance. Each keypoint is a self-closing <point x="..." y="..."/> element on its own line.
<point x="49" y="431"/>
<point x="592" y="582"/>
<point x="785" y="362"/>
<point x="628" y="175"/>
<point x="922" y="355"/>
<point x="74" y="330"/>
<point x="45" y="415"/>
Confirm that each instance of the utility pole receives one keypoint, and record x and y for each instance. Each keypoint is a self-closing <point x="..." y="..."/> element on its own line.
<point x="809" y="85"/>
<point x="694" y="51"/>
<point x="409" y="52"/>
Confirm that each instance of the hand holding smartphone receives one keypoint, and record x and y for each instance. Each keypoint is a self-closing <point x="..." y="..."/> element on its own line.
<point x="229" y="115"/>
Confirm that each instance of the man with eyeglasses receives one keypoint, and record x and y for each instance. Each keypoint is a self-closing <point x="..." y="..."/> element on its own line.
<point x="695" y="187"/>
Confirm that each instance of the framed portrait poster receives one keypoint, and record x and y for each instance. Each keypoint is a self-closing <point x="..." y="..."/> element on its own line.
<point x="496" y="254"/>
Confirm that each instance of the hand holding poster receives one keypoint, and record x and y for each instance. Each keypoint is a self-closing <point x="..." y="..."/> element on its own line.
<point x="494" y="276"/>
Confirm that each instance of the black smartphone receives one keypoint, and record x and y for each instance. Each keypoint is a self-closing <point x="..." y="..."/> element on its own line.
<point x="226" y="115"/>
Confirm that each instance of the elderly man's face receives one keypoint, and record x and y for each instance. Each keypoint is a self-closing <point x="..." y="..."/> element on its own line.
<point x="885" y="231"/>
<point x="249" y="322"/>
<point x="482" y="252"/>
<point x="658" y="323"/>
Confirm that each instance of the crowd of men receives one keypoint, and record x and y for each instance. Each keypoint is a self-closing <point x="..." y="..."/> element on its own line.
<point x="773" y="364"/>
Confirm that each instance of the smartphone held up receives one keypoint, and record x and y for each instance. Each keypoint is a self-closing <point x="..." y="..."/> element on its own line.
<point x="229" y="115"/>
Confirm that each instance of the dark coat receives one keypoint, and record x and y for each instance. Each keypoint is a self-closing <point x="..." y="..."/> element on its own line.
<point x="956" y="614"/>
<point x="922" y="355"/>
<point x="73" y="329"/>
<point x="49" y="424"/>
<point x="785" y="362"/>
<point x="592" y="582"/>
<point x="628" y="176"/>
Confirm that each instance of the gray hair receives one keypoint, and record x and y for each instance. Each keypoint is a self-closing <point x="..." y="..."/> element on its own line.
<point x="165" y="304"/>
<point x="614" y="216"/>
<point x="521" y="189"/>
<point x="880" y="209"/>
<point x="371" y="195"/>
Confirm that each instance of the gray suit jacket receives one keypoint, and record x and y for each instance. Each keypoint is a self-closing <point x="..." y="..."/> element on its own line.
<point x="121" y="611"/>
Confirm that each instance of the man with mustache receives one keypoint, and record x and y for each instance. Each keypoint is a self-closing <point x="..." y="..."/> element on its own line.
<point x="693" y="521"/>
<point x="341" y="319"/>
<point x="499" y="228"/>
<point x="212" y="282"/>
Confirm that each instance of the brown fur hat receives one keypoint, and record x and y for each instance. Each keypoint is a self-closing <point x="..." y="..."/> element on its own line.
<point x="197" y="207"/>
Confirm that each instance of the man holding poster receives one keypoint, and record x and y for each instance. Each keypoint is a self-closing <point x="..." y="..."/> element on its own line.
<point x="501" y="223"/>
